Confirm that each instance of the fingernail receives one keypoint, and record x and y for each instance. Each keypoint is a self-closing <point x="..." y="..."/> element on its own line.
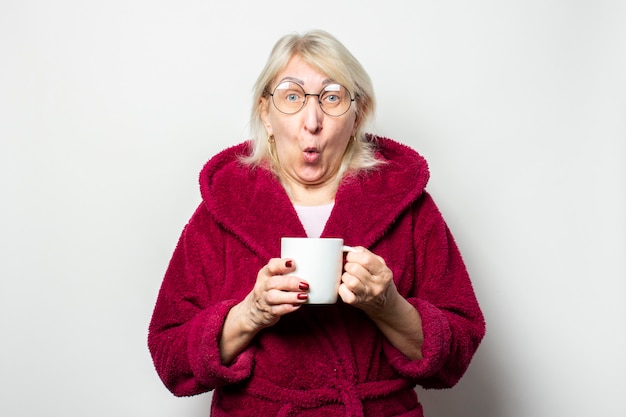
<point x="303" y="286"/>
<point x="303" y="296"/>
<point x="288" y="264"/>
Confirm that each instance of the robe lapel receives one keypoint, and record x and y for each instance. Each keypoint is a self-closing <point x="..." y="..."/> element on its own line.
<point x="251" y="204"/>
<point x="367" y="205"/>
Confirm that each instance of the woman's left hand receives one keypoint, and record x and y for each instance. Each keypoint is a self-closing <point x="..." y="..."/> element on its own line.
<point x="367" y="282"/>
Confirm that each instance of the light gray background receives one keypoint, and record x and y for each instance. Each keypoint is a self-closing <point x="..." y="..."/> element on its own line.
<point x="108" y="110"/>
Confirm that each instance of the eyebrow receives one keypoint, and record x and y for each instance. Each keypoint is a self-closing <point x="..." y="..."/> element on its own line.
<point x="299" y="81"/>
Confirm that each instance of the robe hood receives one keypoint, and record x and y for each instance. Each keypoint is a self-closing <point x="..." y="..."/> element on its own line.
<point x="251" y="203"/>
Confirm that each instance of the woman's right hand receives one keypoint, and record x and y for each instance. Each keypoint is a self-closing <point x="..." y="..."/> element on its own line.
<point x="274" y="295"/>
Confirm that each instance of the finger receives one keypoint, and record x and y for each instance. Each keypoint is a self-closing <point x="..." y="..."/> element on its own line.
<point x="356" y="252"/>
<point x="346" y="295"/>
<point x="277" y="297"/>
<point x="277" y="267"/>
<point x="356" y="269"/>
<point x="277" y="290"/>
<point x="372" y="263"/>
<point x="282" y="309"/>
<point x="362" y="257"/>
<point x="287" y="283"/>
<point x="353" y="283"/>
<point x="280" y="266"/>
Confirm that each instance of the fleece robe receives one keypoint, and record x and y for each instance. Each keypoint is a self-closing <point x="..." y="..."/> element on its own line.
<point x="328" y="360"/>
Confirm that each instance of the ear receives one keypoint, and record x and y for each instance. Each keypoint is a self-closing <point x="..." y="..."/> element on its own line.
<point x="355" y="128"/>
<point x="264" y="112"/>
<point x="357" y="123"/>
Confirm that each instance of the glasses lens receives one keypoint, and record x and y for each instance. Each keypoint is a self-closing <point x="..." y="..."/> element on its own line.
<point x="335" y="99"/>
<point x="288" y="97"/>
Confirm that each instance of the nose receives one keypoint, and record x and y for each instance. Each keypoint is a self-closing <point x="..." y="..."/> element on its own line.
<point x="312" y="113"/>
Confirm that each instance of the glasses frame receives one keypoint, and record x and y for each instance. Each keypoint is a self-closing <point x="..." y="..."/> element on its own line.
<point x="319" y="102"/>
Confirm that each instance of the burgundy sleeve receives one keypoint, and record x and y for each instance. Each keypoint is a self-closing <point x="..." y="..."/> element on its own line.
<point x="452" y="322"/>
<point x="186" y="324"/>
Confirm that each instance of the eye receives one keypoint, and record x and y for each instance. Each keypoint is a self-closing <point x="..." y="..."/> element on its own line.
<point x="292" y="97"/>
<point x="289" y="92"/>
<point x="333" y="94"/>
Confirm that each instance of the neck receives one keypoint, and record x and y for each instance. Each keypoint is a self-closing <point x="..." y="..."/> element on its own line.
<point x="310" y="195"/>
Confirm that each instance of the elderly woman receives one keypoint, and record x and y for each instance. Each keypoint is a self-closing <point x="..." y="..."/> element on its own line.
<point x="229" y="319"/>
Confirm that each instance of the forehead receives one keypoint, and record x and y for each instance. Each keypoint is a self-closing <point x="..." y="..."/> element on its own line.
<point x="303" y="73"/>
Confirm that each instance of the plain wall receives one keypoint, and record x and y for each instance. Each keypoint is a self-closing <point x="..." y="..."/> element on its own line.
<point x="108" y="110"/>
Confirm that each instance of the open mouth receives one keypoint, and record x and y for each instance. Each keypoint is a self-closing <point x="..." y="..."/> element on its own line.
<point x="311" y="155"/>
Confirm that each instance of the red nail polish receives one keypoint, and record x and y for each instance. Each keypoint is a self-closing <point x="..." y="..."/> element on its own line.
<point x="303" y="286"/>
<point x="288" y="264"/>
<point x="303" y="296"/>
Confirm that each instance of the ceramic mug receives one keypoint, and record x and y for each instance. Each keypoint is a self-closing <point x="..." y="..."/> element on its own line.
<point x="319" y="261"/>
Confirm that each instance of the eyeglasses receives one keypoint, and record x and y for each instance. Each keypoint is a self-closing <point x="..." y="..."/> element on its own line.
<point x="290" y="98"/>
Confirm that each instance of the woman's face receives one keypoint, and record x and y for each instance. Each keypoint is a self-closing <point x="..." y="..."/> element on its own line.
<point x="309" y="144"/>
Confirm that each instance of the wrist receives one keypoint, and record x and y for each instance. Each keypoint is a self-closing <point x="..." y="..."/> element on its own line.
<point x="247" y="323"/>
<point x="386" y="305"/>
<point x="250" y="320"/>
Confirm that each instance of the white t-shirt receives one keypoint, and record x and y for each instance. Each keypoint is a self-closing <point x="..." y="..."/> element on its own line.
<point x="314" y="218"/>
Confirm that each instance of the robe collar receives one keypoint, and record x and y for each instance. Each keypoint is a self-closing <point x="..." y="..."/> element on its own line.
<point x="251" y="203"/>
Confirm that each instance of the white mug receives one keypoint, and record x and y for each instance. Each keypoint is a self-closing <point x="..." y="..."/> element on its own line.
<point x="319" y="261"/>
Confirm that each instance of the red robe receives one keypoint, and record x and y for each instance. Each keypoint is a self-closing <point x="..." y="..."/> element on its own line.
<point x="320" y="360"/>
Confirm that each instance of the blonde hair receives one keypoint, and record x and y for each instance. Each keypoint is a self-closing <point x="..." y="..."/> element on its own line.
<point x="325" y="53"/>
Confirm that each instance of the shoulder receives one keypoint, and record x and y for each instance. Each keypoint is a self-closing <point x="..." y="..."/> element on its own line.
<point x="394" y="151"/>
<point x="402" y="164"/>
<point x="225" y="159"/>
<point x="226" y="173"/>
